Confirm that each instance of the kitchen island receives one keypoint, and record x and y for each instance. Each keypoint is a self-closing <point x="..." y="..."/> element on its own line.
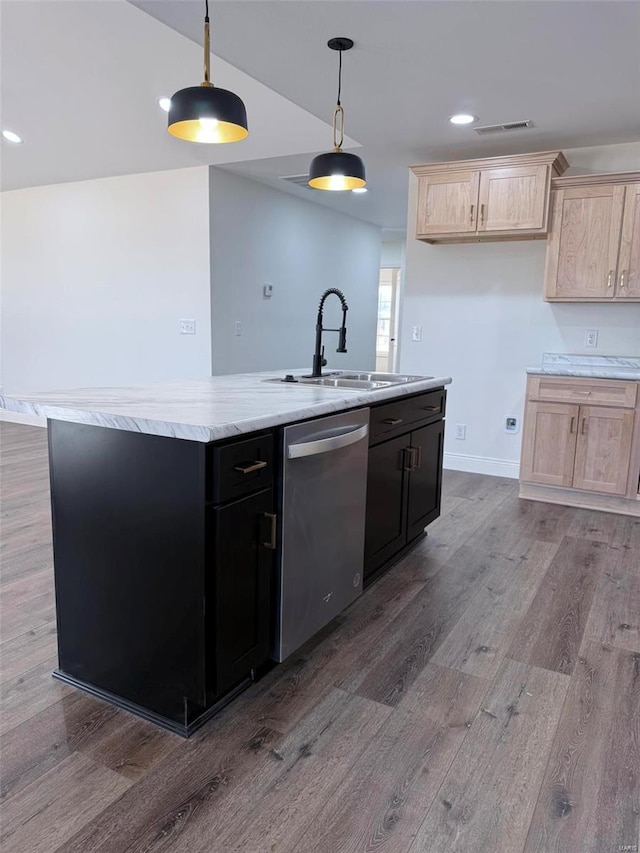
<point x="168" y="530"/>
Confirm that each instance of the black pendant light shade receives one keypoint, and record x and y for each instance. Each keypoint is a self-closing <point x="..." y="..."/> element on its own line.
<point x="205" y="113"/>
<point x="337" y="170"/>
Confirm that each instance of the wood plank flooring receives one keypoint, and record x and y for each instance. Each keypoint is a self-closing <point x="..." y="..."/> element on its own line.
<point x="483" y="696"/>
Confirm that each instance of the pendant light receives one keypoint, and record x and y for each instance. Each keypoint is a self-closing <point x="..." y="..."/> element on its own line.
<point x="205" y="113"/>
<point x="337" y="170"/>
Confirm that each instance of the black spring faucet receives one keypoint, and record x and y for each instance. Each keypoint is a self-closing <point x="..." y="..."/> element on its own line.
<point x="319" y="361"/>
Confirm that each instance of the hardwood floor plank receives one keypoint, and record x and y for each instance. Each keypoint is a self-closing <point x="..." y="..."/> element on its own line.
<point x="615" y="612"/>
<point x="486" y="800"/>
<point x="385" y="672"/>
<point x="23" y="697"/>
<point x="27" y="651"/>
<point x="480" y="638"/>
<point x="550" y="634"/>
<point x="383" y="800"/>
<point x="590" y="796"/>
<point x="50" y="810"/>
<point x="295" y="791"/>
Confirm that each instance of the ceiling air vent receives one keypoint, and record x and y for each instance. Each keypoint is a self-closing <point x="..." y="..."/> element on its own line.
<point x="502" y="128"/>
<point x="298" y="180"/>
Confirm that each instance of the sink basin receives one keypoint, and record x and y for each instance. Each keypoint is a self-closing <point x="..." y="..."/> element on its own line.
<point x="351" y="381"/>
<point x="385" y="378"/>
<point x="357" y="381"/>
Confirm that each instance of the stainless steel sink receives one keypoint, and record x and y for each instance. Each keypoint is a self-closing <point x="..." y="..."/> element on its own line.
<point x="356" y="381"/>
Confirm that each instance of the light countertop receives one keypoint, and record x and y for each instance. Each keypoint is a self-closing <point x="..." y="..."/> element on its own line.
<point x="589" y="366"/>
<point x="205" y="409"/>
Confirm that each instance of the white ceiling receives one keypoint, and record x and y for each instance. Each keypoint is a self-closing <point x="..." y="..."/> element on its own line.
<point x="80" y="80"/>
<point x="573" y="67"/>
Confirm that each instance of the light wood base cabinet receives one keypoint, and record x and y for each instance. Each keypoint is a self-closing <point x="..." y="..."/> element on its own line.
<point x="495" y="198"/>
<point x="593" y="252"/>
<point x="580" y="450"/>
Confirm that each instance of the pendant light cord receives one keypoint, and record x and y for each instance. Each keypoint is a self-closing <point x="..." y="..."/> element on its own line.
<point x="207" y="45"/>
<point x="339" y="75"/>
<point x="206" y="11"/>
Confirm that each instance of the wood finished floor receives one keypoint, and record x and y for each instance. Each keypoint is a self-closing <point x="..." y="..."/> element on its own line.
<point x="483" y="696"/>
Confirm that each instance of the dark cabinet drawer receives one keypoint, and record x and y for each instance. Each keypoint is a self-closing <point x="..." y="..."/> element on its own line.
<point x="403" y="415"/>
<point x="240" y="468"/>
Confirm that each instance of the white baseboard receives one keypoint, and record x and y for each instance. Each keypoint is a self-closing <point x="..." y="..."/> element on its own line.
<point x="482" y="465"/>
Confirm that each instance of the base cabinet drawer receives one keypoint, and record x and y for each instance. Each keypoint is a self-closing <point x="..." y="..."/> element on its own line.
<point x="399" y="417"/>
<point x="240" y="468"/>
<point x="594" y="392"/>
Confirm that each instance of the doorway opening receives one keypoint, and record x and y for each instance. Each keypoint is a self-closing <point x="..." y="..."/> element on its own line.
<point x="386" y="333"/>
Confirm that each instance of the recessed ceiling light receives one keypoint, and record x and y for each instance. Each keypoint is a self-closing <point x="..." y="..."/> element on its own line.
<point x="463" y="118"/>
<point x="360" y="190"/>
<point x="164" y="104"/>
<point x="10" y="136"/>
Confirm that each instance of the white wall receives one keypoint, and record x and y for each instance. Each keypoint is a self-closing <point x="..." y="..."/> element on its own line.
<point x="96" y="275"/>
<point x="392" y="253"/>
<point x="484" y="322"/>
<point x="260" y="235"/>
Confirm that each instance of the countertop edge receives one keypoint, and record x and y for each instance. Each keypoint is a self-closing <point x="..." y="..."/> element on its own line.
<point x="585" y="372"/>
<point x="339" y="401"/>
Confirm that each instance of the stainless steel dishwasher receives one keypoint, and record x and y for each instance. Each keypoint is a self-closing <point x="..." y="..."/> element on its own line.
<point x="324" y="484"/>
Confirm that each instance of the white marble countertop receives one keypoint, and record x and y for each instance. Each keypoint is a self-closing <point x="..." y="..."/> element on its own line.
<point x="205" y="409"/>
<point x="590" y="366"/>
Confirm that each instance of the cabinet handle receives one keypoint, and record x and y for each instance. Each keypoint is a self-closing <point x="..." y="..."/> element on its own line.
<point x="610" y="279"/>
<point x="472" y="209"/>
<point x="250" y="466"/>
<point x="584" y="426"/>
<point x="581" y="393"/>
<point x="407" y="453"/>
<point x="482" y="213"/>
<point x="622" y="275"/>
<point x="271" y="545"/>
<point x="431" y="408"/>
<point x="392" y="421"/>
<point x="418" y="462"/>
<point x="571" y="425"/>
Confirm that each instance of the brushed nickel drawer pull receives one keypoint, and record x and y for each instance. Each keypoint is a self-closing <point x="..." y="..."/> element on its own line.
<point x="571" y="425"/>
<point x="582" y="393"/>
<point x="431" y="408"/>
<point x="271" y="545"/>
<point x="622" y="275"/>
<point x="610" y="279"/>
<point x="471" y="218"/>
<point x="407" y="453"/>
<point x="482" y="213"/>
<point x="418" y="463"/>
<point x="250" y="467"/>
<point x="392" y="421"/>
<point x="584" y="426"/>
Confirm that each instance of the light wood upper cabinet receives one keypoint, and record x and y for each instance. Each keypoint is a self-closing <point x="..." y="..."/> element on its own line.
<point x="628" y="282"/>
<point x="494" y="198"/>
<point x="513" y="198"/>
<point x="448" y="202"/>
<point x="593" y="253"/>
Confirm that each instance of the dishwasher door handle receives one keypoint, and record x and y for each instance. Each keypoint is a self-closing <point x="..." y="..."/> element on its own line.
<point x="325" y="445"/>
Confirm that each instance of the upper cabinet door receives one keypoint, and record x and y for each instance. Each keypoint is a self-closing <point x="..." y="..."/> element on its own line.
<point x="582" y="253"/>
<point x="628" y="284"/>
<point x="447" y="203"/>
<point x="514" y="198"/>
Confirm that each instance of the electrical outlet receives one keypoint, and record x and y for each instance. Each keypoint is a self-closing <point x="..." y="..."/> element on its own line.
<point x="187" y="327"/>
<point x="461" y="432"/>
<point x="416" y="333"/>
<point x="591" y="338"/>
<point x="237" y="328"/>
<point x="511" y="423"/>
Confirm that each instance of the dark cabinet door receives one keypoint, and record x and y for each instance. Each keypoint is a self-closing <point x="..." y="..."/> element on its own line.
<point x="239" y="628"/>
<point x="425" y="480"/>
<point x="386" y="499"/>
